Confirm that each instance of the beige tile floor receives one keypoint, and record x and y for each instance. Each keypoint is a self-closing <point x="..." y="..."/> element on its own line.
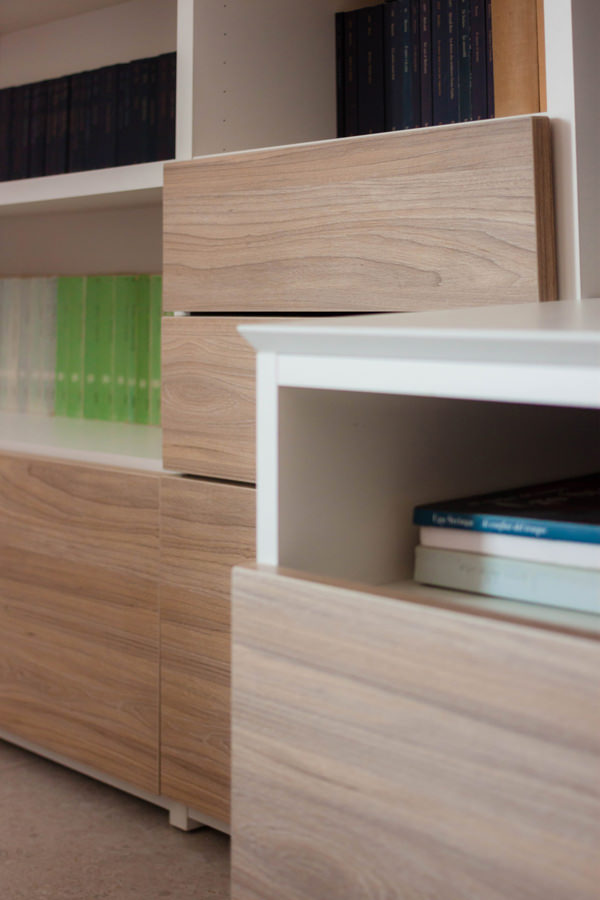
<point x="67" y="837"/>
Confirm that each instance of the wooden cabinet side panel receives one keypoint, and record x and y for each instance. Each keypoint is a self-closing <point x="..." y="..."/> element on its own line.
<point x="383" y="748"/>
<point x="79" y="662"/>
<point x="205" y="529"/>
<point x="420" y="219"/>
<point x="82" y="513"/>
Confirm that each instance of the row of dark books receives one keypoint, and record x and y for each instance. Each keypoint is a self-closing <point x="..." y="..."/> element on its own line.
<point x="536" y="544"/>
<point x="82" y="347"/>
<point x="412" y="63"/>
<point x="113" y="116"/>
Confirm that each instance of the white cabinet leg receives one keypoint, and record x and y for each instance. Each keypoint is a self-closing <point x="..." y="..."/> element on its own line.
<point x="179" y="818"/>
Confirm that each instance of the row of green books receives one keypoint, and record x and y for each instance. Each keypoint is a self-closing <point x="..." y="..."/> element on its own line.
<point x="82" y="346"/>
<point x="108" y="348"/>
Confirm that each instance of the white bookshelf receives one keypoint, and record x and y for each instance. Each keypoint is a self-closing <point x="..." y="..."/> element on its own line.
<point x="361" y="418"/>
<point x="114" y="444"/>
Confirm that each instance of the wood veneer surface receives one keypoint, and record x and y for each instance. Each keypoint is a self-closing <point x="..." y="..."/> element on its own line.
<point x="206" y="528"/>
<point x="388" y="749"/>
<point x="208" y="397"/>
<point x="79" y="662"/>
<point x="82" y="513"/>
<point x="421" y="219"/>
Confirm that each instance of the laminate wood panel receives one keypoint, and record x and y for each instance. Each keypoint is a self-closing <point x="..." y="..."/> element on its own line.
<point x="195" y="700"/>
<point x="419" y="219"/>
<point x="517" y="59"/>
<point x="206" y="528"/>
<point x="208" y="398"/>
<point x="79" y="662"/>
<point x="387" y="749"/>
<point x="81" y="513"/>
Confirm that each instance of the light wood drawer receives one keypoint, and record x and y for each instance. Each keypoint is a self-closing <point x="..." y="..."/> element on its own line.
<point x="81" y="513"/>
<point x="79" y="662"/>
<point x="208" y="398"/>
<point x="461" y="754"/>
<point x="205" y="529"/>
<point x="419" y="219"/>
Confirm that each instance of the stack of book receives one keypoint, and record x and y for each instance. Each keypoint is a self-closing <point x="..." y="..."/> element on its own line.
<point x="27" y="344"/>
<point x="538" y="544"/>
<point x="412" y="63"/>
<point x="108" y="348"/>
<point x="83" y="347"/>
<point x="112" y="116"/>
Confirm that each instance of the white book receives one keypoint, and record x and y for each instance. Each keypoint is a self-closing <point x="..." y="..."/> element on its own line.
<point x="560" y="553"/>
<point x="3" y="343"/>
<point x="34" y="290"/>
<point x="24" y="301"/>
<point x="569" y="587"/>
<point x="11" y="290"/>
<point x="47" y="363"/>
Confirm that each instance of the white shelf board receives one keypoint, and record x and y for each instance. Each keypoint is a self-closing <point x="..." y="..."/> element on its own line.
<point x="122" y="186"/>
<point x="527" y="353"/>
<point x="26" y="14"/>
<point x="83" y="440"/>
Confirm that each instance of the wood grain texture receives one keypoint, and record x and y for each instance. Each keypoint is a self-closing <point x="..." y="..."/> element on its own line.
<point x="195" y="700"/>
<point x="421" y="219"/>
<point x="81" y="513"/>
<point x="205" y="529"/>
<point x="516" y="57"/>
<point x="79" y="662"/>
<point x="208" y="398"/>
<point x="385" y="749"/>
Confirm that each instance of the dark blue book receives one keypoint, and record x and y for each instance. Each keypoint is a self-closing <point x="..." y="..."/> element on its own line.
<point x="166" y="103"/>
<point x="143" y="109"/>
<point x="37" y="129"/>
<point x="403" y="88"/>
<point x="465" y="105"/>
<point x="370" y="69"/>
<point x="5" y="104"/>
<point x="78" y="126"/>
<point x="57" y="129"/>
<point x="350" y="74"/>
<point x="101" y="137"/>
<point x="125" y="138"/>
<point x="415" y="61"/>
<point x="20" y="117"/>
<point x="491" y="106"/>
<point x="445" y="62"/>
<point x="392" y="65"/>
<point x="339" y="73"/>
<point x="478" y="61"/>
<point x="566" y="510"/>
<point x="425" y="60"/>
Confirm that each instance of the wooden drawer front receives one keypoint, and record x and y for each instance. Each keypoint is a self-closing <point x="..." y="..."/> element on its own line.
<point x="462" y="755"/>
<point x="206" y="528"/>
<point x="81" y="513"/>
<point x="79" y="662"/>
<point x="208" y="398"/>
<point x="420" y="219"/>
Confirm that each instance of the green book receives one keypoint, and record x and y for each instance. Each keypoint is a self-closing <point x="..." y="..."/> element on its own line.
<point x="90" y="351"/>
<point x="63" y="336"/>
<point x="141" y="399"/>
<point x="75" y="289"/>
<point x="155" y="330"/>
<point x="98" y="363"/>
<point x="124" y="348"/>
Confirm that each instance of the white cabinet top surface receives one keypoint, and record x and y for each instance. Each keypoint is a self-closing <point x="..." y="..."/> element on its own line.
<point x="533" y="353"/>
